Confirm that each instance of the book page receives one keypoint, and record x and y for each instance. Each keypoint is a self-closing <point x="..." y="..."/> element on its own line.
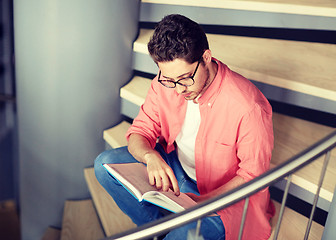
<point x="169" y="200"/>
<point x="135" y="174"/>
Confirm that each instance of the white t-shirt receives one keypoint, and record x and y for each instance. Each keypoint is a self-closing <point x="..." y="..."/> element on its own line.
<point x="185" y="140"/>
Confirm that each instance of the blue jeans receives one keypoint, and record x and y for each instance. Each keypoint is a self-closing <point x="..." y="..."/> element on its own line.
<point x="144" y="212"/>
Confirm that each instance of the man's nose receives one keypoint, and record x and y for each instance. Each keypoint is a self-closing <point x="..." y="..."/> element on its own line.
<point x="180" y="89"/>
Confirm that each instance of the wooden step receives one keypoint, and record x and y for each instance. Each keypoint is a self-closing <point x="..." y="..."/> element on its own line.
<point x="136" y="90"/>
<point x="9" y="220"/>
<point x="292" y="135"/>
<point x="293" y="225"/>
<point x="80" y="221"/>
<point x="303" y="67"/>
<point x="115" y="136"/>
<point x="52" y="234"/>
<point x="325" y="8"/>
<point x="112" y="218"/>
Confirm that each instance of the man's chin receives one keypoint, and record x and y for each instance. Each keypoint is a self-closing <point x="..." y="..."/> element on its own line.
<point x="189" y="98"/>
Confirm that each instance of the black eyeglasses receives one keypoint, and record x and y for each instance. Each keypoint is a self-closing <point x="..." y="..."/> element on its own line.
<point x="186" y="82"/>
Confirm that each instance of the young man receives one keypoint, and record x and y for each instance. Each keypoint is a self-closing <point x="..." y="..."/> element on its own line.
<point x="215" y="133"/>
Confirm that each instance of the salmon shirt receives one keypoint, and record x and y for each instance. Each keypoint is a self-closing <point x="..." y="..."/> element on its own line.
<point x="235" y="137"/>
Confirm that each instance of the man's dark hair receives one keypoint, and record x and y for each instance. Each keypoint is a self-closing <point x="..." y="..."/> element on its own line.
<point x="177" y="36"/>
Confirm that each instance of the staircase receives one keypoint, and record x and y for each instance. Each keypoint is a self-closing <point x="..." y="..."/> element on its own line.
<point x="298" y="71"/>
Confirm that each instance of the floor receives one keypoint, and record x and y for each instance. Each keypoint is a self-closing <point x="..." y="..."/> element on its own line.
<point x="9" y="221"/>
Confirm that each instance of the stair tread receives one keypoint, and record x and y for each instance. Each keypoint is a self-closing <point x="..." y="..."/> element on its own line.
<point x="115" y="136"/>
<point x="325" y="8"/>
<point x="292" y="135"/>
<point x="293" y="225"/>
<point x="9" y="220"/>
<point x="112" y="218"/>
<point x="80" y="221"/>
<point x="136" y="90"/>
<point x="52" y="234"/>
<point x="311" y="74"/>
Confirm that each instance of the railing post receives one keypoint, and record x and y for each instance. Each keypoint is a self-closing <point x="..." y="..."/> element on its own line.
<point x="243" y="218"/>
<point x="195" y="234"/>
<point x="282" y="209"/>
<point x="329" y="232"/>
<point x="317" y="194"/>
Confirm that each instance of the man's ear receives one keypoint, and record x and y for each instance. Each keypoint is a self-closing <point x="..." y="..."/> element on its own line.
<point x="207" y="56"/>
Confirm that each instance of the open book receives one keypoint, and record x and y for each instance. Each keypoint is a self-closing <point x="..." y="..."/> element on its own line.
<point x="134" y="178"/>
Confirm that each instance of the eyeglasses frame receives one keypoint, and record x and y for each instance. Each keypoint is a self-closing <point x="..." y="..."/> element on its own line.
<point x="178" y="82"/>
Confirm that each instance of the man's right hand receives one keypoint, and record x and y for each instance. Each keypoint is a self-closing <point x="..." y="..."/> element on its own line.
<point x="160" y="174"/>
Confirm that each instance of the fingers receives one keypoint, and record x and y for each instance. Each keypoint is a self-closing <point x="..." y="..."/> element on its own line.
<point x="160" y="179"/>
<point x="155" y="179"/>
<point x="164" y="179"/>
<point x="173" y="181"/>
<point x="151" y="178"/>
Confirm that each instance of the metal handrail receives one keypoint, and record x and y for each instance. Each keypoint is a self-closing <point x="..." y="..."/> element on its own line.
<point x="227" y="199"/>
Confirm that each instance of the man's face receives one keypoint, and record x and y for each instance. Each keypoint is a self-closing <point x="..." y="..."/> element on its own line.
<point x="178" y="69"/>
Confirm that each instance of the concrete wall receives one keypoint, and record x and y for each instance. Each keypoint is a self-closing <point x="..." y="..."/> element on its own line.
<point x="72" y="56"/>
<point x="7" y="104"/>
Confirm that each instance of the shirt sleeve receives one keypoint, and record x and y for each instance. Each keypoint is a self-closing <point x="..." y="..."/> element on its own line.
<point x="255" y="142"/>
<point x="147" y="123"/>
